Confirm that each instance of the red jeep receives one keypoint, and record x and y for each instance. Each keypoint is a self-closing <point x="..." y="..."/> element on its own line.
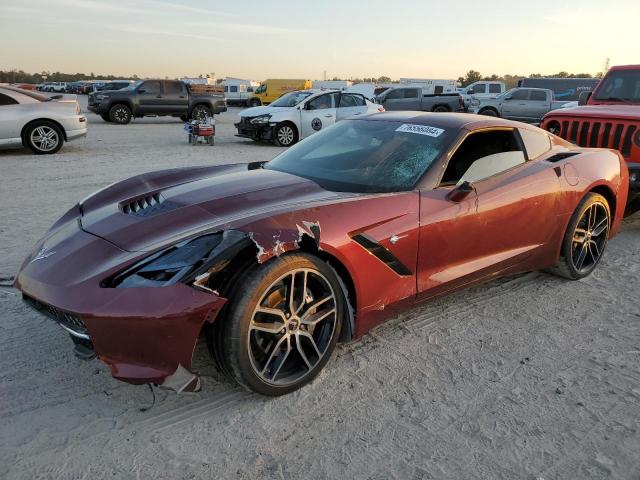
<point x="608" y="117"/>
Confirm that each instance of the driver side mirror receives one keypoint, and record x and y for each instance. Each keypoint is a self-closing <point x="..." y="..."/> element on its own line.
<point x="460" y="192"/>
<point x="141" y="90"/>
<point x="470" y="92"/>
<point x="584" y="97"/>
<point x="508" y="97"/>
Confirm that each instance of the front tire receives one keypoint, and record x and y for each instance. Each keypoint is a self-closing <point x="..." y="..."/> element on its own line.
<point x="282" y="324"/>
<point x="105" y="117"/>
<point x="254" y="102"/>
<point x="285" y="135"/>
<point x="44" y="137"/>
<point x="120" y="114"/>
<point x="585" y="239"/>
<point x="441" y="109"/>
<point x="489" y="112"/>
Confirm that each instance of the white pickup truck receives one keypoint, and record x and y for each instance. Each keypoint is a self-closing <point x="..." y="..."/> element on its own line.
<point x="522" y="104"/>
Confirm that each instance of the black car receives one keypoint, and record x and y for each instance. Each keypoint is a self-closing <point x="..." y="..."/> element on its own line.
<point x="157" y="98"/>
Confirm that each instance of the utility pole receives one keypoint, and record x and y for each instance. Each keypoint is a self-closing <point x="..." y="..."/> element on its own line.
<point x="606" y="65"/>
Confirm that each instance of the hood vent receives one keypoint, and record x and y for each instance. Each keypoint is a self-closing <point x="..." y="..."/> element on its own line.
<point x="147" y="206"/>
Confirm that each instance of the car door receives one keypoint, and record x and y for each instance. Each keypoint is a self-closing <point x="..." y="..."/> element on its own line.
<point x="149" y="95"/>
<point x="403" y="99"/>
<point x="480" y="90"/>
<point x="516" y="104"/>
<point x="318" y="113"/>
<point x="350" y="104"/>
<point x="498" y="225"/>
<point x="175" y="99"/>
<point x="539" y="105"/>
<point x="11" y="122"/>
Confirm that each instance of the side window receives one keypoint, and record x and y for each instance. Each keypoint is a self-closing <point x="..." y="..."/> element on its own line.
<point x="7" y="100"/>
<point x="397" y="93"/>
<point x="234" y="89"/>
<point x="482" y="155"/>
<point x="411" y="92"/>
<point x="538" y="96"/>
<point x="151" y="88"/>
<point x="480" y="88"/>
<point x="351" y="100"/>
<point x="536" y="143"/>
<point x="172" y="88"/>
<point x="438" y="89"/>
<point x="494" y="88"/>
<point x="321" y="102"/>
<point x="520" y="95"/>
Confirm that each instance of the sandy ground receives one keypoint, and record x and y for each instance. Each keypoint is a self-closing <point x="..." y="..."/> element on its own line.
<point x="523" y="378"/>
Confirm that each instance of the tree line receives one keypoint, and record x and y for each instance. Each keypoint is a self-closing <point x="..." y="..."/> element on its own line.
<point x="19" y="76"/>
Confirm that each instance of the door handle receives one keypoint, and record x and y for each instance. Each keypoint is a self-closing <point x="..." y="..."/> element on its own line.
<point x="328" y="116"/>
<point x="158" y="96"/>
<point x="181" y="96"/>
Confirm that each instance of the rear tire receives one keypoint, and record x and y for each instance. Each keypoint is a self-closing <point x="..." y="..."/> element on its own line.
<point x="254" y="102"/>
<point x="282" y="324"/>
<point x="441" y="109"/>
<point x="43" y="137"/>
<point x="585" y="239"/>
<point x="200" y="112"/>
<point x="120" y="114"/>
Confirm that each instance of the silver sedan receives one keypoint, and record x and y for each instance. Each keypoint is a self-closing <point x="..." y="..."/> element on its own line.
<point x="38" y="122"/>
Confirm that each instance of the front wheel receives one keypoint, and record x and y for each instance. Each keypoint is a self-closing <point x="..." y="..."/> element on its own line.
<point x="105" y="117"/>
<point x="282" y="324"/>
<point x="285" y="135"/>
<point x="120" y="114"/>
<point x="586" y="238"/>
<point x="489" y="112"/>
<point x="440" y="109"/>
<point x="254" y="102"/>
<point x="43" y="137"/>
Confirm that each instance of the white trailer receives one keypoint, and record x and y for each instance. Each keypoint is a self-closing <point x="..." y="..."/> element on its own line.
<point x="431" y="86"/>
<point x="332" y="84"/>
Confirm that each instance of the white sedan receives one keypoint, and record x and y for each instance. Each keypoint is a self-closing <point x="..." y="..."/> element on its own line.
<point x="302" y="113"/>
<point x="38" y="122"/>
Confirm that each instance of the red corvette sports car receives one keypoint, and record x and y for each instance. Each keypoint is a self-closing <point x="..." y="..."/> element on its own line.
<point x="278" y="261"/>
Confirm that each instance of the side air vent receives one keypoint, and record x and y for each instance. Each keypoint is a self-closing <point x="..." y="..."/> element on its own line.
<point x="147" y="205"/>
<point x="382" y="254"/>
<point x="561" y="156"/>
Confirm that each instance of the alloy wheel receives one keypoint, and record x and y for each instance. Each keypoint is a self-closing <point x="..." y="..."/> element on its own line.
<point x="590" y="237"/>
<point x="292" y="327"/>
<point x="45" y="138"/>
<point x="285" y="135"/>
<point x="121" y="115"/>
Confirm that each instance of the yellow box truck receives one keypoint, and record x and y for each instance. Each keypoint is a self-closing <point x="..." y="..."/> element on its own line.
<point x="272" y="88"/>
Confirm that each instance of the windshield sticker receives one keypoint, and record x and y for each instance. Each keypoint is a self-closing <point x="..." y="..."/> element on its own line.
<point x="420" y="130"/>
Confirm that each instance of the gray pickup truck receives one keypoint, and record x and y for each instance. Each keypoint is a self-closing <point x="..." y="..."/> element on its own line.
<point x="155" y="98"/>
<point x="413" y="98"/>
<point x="522" y="104"/>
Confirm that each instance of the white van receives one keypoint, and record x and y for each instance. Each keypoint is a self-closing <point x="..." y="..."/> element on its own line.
<point x="238" y="90"/>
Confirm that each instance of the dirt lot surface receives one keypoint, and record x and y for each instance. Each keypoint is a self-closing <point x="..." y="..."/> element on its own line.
<point x="526" y="377"/>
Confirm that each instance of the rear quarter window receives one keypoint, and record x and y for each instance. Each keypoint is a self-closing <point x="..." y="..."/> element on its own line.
<point x="536" y="143"/>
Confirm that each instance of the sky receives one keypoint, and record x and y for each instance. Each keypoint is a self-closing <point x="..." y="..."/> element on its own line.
<point x="305" y="39"/>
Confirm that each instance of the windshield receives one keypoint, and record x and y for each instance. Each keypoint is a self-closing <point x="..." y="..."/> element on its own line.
<point x="262" y="88"/>
<point x="620" y="86"/>
<point x="134" y="85"/>
<point x="290" y="99"/>
<point x="365" y="156"/>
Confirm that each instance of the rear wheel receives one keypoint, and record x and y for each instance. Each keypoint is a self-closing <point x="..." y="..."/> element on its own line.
<point x="43" y="137"/>
<point x="282" y="324"/>
<point x="254" y="102"/>
<point x="200" y="112"/>
<point x="441" y="108"/>
<point x="585" y="239"/>
<point x="120" y="114"/>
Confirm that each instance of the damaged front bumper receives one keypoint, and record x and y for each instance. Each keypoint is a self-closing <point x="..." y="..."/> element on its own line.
<point x="255" y="132"/>
<point x="144" y="335"/>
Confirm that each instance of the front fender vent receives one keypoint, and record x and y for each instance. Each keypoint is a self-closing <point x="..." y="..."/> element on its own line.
<point x="558" y="157"/>
<point x="147" y="206"/>
<point x="384" y="255"/>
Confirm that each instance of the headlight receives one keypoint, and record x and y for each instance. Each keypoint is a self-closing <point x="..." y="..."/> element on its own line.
<point x="101" y="97"/>
<point x="186" y="262"/>
<point x="261" y="120"/>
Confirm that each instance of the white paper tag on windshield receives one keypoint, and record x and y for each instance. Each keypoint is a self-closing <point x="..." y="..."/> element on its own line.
<point x="420" y="129"/>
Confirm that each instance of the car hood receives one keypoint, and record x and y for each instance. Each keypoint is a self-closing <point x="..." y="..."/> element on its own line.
<point x="149" y="211"/>
<point x="264" y="110"/>
<point x="630" y="112"/>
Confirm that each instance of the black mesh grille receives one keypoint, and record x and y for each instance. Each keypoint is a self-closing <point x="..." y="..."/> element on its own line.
<point x="67" y="319"/>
